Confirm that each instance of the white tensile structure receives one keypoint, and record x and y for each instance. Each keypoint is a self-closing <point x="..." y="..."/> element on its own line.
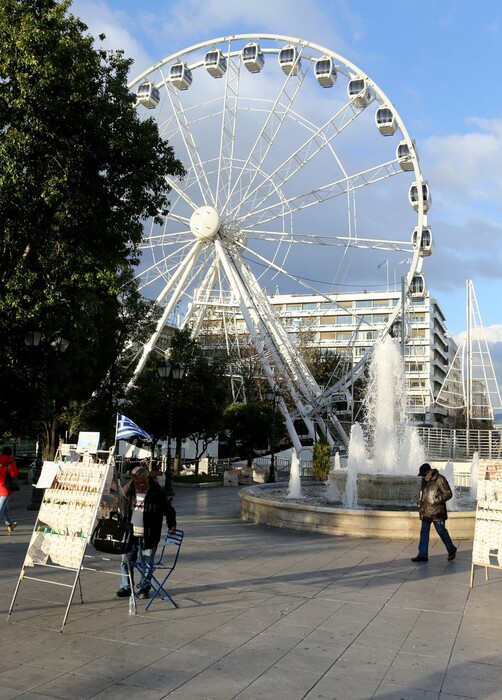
<point x="471" y="384"/>
<point x="288" y="183"/>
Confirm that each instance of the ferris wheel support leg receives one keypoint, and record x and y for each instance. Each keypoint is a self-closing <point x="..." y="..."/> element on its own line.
<point x="180" y="277"/>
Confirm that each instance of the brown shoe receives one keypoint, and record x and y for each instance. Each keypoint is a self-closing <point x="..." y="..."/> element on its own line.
<point x="419" y="558"/>
<point x="11" y="527"/>
<point x="452" y="555"/>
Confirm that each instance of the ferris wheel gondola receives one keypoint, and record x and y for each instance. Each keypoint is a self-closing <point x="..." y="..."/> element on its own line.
<point x="325" y="71"/>
<point x="423" y="241"/>
<point x="359" y="91"/>
<point x="148" y="95"/>
<point x="215" y="63"/>
<point x="289" y="60"/>
<point x="180" y="75"/>
<point x="253" y="58"/>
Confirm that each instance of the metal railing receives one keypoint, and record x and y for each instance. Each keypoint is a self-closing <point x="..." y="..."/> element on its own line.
<point x="445" y="443"/>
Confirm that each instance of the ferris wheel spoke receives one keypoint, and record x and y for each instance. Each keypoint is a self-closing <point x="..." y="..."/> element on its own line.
<point x="175" y="185"/>
<point x="332" y="298"/>
<point x="322" y="194"/>
<point x="287" y="360"/>
<point x="268" y="133"/>
<point x="162" y="269"/>
<point x="175" y="287"/>
<point x="228" y="130"/>
<point x="181" y="272"/>
<point x="189" y="143"/>
<point x="203" y="298"/>
<point x="316" y="239"/>
<point x="169" y="239"/>
<point x="319" y="139"/>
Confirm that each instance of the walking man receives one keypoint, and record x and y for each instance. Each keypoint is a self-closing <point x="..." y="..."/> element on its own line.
<point x="434" y="493"/>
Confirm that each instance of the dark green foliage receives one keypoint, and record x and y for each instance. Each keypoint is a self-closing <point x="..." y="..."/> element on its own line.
<point x="320" y="460"/>
<point x="79" y="173"/>
<point x="251" y="428"/>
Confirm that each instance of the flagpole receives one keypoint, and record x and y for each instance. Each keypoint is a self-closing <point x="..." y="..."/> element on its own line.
<point x="115" y="447"/>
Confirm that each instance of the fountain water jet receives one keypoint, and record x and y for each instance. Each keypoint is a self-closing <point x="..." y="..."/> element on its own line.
<point x="332" y="491"/>
<point x="393" y="444"/>
<point x="357" y="464"/>
<point x="382" y="466"/>
<point x="295" y="486"/>
<point x="474" y="476"/>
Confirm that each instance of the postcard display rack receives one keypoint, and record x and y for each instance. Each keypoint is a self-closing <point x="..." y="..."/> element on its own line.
<point x="65" y="522"/>
<point x="487" y="545"/>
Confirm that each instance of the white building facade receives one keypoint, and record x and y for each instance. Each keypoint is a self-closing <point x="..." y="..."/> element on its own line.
<point x="350" y="324"/>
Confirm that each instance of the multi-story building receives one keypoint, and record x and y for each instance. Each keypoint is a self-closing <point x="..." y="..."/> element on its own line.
<point x="350" y="324"/>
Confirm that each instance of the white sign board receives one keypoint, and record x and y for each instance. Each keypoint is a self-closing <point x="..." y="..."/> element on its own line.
<point x="487" y="545"/>
<point x="88" y="442"/>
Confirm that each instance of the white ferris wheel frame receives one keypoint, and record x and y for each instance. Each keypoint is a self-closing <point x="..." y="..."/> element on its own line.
<point x="228" y="241"/>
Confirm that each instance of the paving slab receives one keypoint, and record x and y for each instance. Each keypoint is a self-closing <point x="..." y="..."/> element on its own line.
<point x="264" y="613"/>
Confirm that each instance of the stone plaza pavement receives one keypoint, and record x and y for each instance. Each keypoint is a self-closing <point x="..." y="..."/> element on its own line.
<point x="264" y="613"/>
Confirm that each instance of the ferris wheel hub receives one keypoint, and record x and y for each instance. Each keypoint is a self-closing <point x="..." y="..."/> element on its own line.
<point x="205" y="223"/>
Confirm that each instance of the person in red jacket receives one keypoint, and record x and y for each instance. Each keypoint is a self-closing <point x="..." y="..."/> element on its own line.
<point x="7" y="465"/>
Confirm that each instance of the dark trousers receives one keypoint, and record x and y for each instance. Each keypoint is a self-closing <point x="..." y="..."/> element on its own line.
<point x="423" y="545"/>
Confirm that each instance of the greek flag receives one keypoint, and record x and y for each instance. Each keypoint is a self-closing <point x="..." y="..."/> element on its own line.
<point x="127" y="428"/>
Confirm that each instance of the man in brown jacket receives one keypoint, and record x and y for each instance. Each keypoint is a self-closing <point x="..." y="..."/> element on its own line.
<point x="432" y="509"/>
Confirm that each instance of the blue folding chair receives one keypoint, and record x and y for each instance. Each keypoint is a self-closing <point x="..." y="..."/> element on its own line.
<point x="164" y="563"/>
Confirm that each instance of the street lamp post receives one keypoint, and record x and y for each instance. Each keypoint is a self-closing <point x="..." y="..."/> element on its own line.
<point x="169" y="371"/>
<point x="58" y="344"/>
<point x="272" y="396"/>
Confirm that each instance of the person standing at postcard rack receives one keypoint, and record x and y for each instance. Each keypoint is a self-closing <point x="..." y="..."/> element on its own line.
<point x="145" y="505"/>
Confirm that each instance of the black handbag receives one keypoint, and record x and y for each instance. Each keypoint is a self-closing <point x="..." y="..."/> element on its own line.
<point x="112" y="535"/>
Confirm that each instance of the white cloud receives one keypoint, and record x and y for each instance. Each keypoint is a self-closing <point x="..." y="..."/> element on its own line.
<point x="493" y="334"/>
<point x="119" y="29"/>
<point x="466" y="172"/>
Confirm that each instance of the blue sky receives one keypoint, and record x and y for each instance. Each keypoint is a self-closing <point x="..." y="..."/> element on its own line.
<point x="439" y="62"/>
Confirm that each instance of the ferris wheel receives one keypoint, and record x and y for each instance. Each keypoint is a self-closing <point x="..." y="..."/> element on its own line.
<point x="300" y="178"/>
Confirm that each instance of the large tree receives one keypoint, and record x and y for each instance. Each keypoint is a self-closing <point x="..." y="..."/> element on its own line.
<point x="79" y="174"/>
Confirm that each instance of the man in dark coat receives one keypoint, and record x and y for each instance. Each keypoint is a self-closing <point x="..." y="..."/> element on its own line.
<point x="432" y="509"/>
<point x="145" y="504"/>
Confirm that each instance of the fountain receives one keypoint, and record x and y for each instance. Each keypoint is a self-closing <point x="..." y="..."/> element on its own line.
<point x="382" y="467"/>
<point x="474" y="476"/>
<point x="295" y="485"/>
<point x="376" y="494"/>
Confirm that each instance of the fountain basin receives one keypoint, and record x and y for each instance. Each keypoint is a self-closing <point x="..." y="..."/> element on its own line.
<point x="357" y="522"/>
<point x="380" y="489"/>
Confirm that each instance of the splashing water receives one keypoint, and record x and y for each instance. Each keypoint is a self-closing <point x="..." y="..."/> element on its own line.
<point x="357" y="463"/>
<point x="394" y="445"/>
<point x="474" y="475"/>
<point x="447" y="472"/>
<point x="332" y="491"/>
<point x="295" y="486"/>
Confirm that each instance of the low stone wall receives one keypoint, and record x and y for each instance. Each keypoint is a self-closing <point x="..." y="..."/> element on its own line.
<point x="340" y="521"/>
